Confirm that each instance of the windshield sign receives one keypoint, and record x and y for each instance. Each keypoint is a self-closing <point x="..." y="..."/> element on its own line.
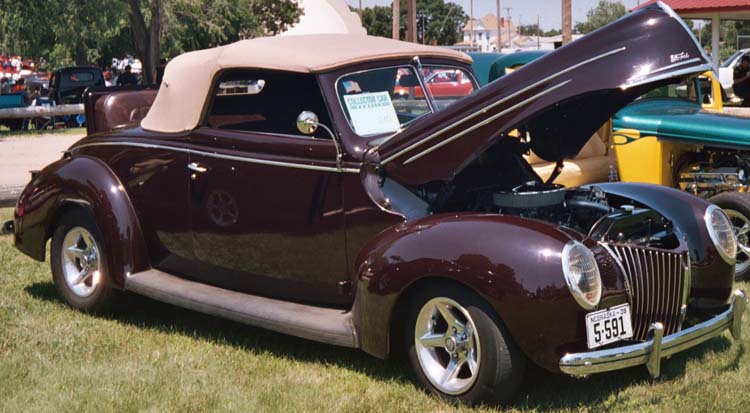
<point x="372" y="113"/>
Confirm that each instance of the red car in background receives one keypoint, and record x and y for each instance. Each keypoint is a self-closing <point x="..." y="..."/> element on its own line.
<point x="442" y="83"/>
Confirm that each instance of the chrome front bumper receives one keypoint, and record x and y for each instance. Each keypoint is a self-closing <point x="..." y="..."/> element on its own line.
<point x="657" y="347"/>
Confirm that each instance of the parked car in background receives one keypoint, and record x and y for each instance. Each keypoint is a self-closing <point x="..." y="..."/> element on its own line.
<point x="296" y="195"/>
<point x="10" y="101"/>
<point x="68" y="84"/>
<point x="726" y="73"/>
<point x="442" y="84"/>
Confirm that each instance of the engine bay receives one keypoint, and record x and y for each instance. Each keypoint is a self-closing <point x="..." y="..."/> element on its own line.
<point x="502" y="182"/>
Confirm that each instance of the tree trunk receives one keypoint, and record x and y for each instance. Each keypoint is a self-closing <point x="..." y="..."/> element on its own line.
<point x="146" y="38"/>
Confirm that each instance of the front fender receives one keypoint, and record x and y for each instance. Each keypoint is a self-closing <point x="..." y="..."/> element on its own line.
<point x="712" y="278"/>
<point x="511" y="262"/>
<point x="88" y="183"/>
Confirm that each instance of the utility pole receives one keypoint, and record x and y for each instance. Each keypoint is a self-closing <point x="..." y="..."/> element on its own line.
<point x="538" y="34"/>
<point x="507" y="21"/>
<point x="360" y="10"/>
<point x="499" y="26"/>
<point x="411" y="25"/>
<point x="471" y="22"/>
<point x="567" y="22"/>
<point x="396" y="19"/>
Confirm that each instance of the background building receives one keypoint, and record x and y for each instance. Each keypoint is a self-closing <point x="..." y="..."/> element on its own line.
<point x="481" y="34"/>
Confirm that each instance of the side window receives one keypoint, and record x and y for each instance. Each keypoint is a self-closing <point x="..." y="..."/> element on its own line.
<point x="447" y="84"/>
<point x="267" y="102"/>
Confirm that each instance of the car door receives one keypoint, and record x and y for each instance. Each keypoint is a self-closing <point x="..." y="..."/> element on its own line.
<point x="266" y="200"/>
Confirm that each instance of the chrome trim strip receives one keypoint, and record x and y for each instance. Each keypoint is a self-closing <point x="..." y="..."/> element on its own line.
<point x="485" y="122"/>
<point x="501" y="101"/>
<point x="688" y="70"/>
<point x="637" y="354"/>
<point x="221" y="156"/>
<point x="665" y="7"/>
<point x="672" y="66"/>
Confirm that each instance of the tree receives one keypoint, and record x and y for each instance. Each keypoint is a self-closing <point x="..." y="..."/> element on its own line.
<point x="196" y="24"/>
<point x="438" y="21"/>
<point x="530" y="30"/>
<point x="378" y="20"/>
<point x="602" y="14"/>
<point x="66" y="32"/>
<point x="62" y="32"/>
<point x="728" y="32"/>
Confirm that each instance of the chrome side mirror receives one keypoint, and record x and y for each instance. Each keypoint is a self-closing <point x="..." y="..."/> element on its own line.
<point x="307" y="122"/>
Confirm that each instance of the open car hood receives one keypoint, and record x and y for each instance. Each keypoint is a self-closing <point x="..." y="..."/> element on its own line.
<point x="560" y="99"/>
<point x="682" y="121"/>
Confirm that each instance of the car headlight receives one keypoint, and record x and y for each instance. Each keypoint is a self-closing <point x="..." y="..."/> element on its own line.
<point x="722" y="234"/>
<point x="582" y="274"/>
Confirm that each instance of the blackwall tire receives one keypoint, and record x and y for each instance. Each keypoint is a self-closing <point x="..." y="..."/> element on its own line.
<point x="490" y="366"/>
<point x="737" y="207"/>
<point x="79" y="265"/>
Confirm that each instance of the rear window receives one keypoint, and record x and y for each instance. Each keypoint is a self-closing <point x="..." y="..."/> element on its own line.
<point x="77" y="77"/>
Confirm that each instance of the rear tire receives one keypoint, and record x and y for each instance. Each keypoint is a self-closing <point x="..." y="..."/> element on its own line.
<point x="79" y="265"/>
<point x="476" y="362"/>
<point x="737" y="207"/>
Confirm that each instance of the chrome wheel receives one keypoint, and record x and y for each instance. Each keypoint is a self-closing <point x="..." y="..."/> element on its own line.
<point x="447" y="345"/>
<point x="741" y="229"/>
<point x="80" y="262"/>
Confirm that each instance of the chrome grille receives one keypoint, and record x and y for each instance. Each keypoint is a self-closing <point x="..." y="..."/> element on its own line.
<point x="658" y="283"/>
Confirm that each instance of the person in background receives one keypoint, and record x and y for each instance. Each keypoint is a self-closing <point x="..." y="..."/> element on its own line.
<point x="107" y="78"/>
<point x="127" y="77"/>
<point x="741" y="85"/>
<point x="4" y="86"/>
<point x="20" y="86"/>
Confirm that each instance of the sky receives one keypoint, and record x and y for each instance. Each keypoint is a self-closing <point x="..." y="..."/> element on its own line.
<point x="526" y="11"/>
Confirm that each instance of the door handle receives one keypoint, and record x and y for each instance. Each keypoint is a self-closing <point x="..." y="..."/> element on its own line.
<point x="196" y="167"/>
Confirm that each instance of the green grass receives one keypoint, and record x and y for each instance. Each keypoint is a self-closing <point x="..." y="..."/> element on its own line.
<point x="156" y="357"/>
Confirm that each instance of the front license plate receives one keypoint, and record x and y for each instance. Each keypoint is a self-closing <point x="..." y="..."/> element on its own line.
<point x="607" y="326"/>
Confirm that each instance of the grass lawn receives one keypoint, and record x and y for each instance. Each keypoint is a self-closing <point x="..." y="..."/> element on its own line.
<point x="161" y="358"/>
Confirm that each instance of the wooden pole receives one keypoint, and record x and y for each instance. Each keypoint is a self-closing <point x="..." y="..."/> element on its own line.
<point x="567" y="22"/>
<point x="396" y="19"/>
<point x="411" y="25"/>
<point x="499" y="27"/>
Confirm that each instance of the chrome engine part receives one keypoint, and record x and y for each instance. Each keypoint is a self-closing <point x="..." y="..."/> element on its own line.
<point x="714" y="173"/>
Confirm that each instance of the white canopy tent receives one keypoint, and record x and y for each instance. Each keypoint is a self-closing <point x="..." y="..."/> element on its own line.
<point x="326" y="17"/>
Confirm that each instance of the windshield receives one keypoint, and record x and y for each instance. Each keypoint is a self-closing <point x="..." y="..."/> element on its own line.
<point x="732" y="59"/>
<point x="384" y="101"/>
<point x="684" y="89"/>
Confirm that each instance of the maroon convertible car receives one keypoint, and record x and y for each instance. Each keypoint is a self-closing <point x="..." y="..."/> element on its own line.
<point x="278" y="183"/>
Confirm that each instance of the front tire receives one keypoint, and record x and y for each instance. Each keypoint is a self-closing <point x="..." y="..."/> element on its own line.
<point x="460" y="350"/>
<point x="737" y="207"/>
<point x="78" y="262"/>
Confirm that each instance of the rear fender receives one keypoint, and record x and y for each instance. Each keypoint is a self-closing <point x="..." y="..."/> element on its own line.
<point x="81" y="182"/>
<point x="513" y="263"/>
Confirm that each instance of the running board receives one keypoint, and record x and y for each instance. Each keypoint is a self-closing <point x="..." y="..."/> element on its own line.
<point x="322" y="324"/>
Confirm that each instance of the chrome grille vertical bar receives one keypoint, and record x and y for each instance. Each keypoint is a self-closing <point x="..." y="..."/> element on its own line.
<point x="671" y="288"/>
<point x="638" y="299"/>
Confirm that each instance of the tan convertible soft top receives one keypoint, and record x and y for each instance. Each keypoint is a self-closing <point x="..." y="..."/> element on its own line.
<point x="188" y="77"/>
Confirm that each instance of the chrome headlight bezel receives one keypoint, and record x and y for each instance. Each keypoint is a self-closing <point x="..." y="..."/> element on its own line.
<point x="713" y="233"/>
<point x="572" y="278"/>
